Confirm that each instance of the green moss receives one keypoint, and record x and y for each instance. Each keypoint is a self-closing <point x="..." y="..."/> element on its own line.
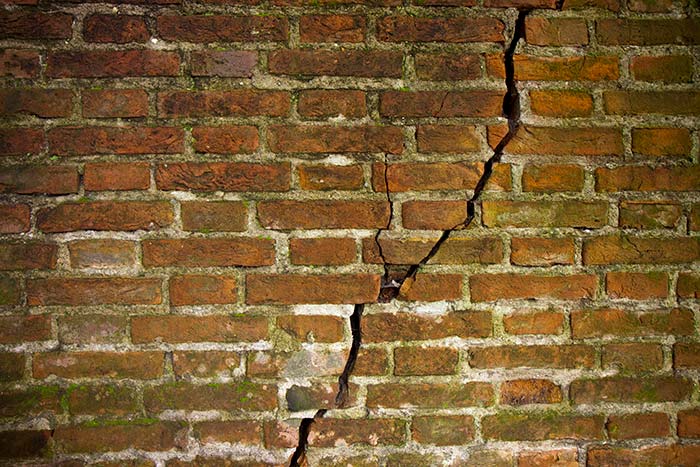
<point x="145" y="421"/>
<point x="648" y="393"/>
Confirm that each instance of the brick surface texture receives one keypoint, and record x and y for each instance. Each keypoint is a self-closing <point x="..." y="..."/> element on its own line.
<point x="196" y="195"/>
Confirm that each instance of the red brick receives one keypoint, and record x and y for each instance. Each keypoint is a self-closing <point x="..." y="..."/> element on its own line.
<point x="371" y="362"/>
<point x="322" y="251"/>
<point x="202" y="290"/>
<point x="325" y="432"/>
<point x="533" y="356"/>
<point x="447" y="67"/>
<point x="626" y="249"/>
<point x="33" y="25"/>
<point x="234" y="103"/>
<point x="94" y="291"/>
<point x="45" y="103"/>
<point x="686" y="355"/>
<point x="688" y="285"/>
<point x="667" y="69"/>
<point x="452" y="139"/>
<point x="578" y="68"/>
<point x="491" y="287"/>
<point x="560" y="141"/>
<point x="661" y="142"/>
<point x="420" y="361"/>
<point x="324" y="139"/>
<point x="356" y="63"/>
<point x="14" y="218"/>
<point x="648" y="31"/>
<point x="409" y="326"/>
<point x="146" y="436"/>
<point x="102" y="253"/>
<point x="111" y="176"/>
<point x="222" y="176"/>
<point x="564" y="104"/>
<point x="536" y="322"/>
<point x="119" y="29"/>
<point x="30" y="401"/>
<point x="443" y="430"/>
<point x="632" y="389"/>
<point x="432" y="288"/>
<point x="577" y="214"/>
<point x="530" y="391"/>
<point x="312" y="328"/>
<point x="434" y="176"/>
<point x="12" y="366"/>
<point x="243" y="395"/>
<point x="225" y="140"/>
<point x="316" y="103"/>
<point x="112" y="63"/>
<point x="110" y="103"/>
<point x="429" y="395"/>
<point x="29" y="255"/>
<point x="633" y="357"/>
<point x="21" y="141"/>
<point x="553" y="458"/>
<point x="52" y="180"/>
<point x="689" y="423"/>
<point x="24" y="443"/>
<point x="69" y="141"/>
<point x="455" y="250"/>
<point x="217" y="216"/>
<point x="651" y="6"/>
<point x="652" y="102"/>
<point x="223" y="63"/>
<point x="19" y="63"/>
<point x="332" y="28"/>
<point x="603" y="322"/>
<point x="205" y="363"/>
<point x="9" y="291"/>
<point x="233" y="431"/>
<point x="636" y="285"/>
<point x="208" y="252"/>
<point x="433" y="215"/>
<point x="331" y="177"/>
<point x="209" y="328"/>
<point x="136" y="365"/>
<point x="219" y="28"/>
<point x="323" y="214"/>
<point x="18" y="329"/>
<point x="649" y="214"/>
<point x="106" y="215"/>
<point x="516" y="426"/>
<point x="642" y="178"/>
<point x="457" y="29"/>
<point x="541" y="251"/>
<point x="441" y="104"/>
<point x="556" y="31"/>
<point x="108" y="399"/>
<point x="289" y="289"/>
<point x="92" y="329"/>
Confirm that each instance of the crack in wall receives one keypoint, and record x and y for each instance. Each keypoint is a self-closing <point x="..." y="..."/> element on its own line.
<point x="391" y="288"/>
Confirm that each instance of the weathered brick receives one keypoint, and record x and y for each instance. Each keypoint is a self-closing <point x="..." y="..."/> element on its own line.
<point x="648" y="31"/>
<point x="371" y="362"/>
<point x="112" y="63"/>
<point x="603" y="322"/>
<point x="666" y="69"/>
<point x="316" y="103"/>
<point x="208" y="252"/>
<point x="412" y="361"/>
<point x="492" y="287"/>
<point x="136" y="365"/>
<point x="560" y="141"/>
<point x="201" y="364"/>
<point x="556" y="31"/>
<point x="516" y="426"/>
<point x="578" y="214"/>
<point x="686" y="355"/>
<point x="553" y="458"/>
<point x="689" y="424"/>
<point x="536" y="322"/>
<point x="443" y="430"/>
<point x="578" y="68"/>
<point x="120" y="29"/>
<point x="92" y="329"/>
<point x="564" y="104"/>
<point x="106" y="215"/>
<point x="322" y="251"/>
<point x="12" y="366"/>
<point x="45" y="103"/>
<point x="331" y="177"/>
<point x="649" y="214"/>
<point x="217" y="216"/>
<point x="222" y="176"/>
<point x="643" y="425"/>
<point x="688" y="285"/>
<point x="440" y="104"/>
<point x="625" y="249"/>
<point x="219" y="28"/>
<point x="32" y="400"/>
<point x="109" y="399"/>
<point x="29" y="255"/>
<point x="24" y="443"/>
<point x="323" y="214"/>
<point x="51" y="180"/>
<point x="110" y="103"/>
<point x="433" y="215"/>
<point x="452" y="139"/>
<point x="19" y="63"/>
<point x="633" y="357"/>
<point x="432" y="288"/>
<point x="447" y="67"/>
<point x="111" y="176"/>
<point x="233" y="431"/>
<point x="202" y="290"/>
<point x="661" y="142"/>
<point x="533" y="356"/>
<point x="102" y="253"/>
<point x="10" y="292"/>
<point x="34" y="25"/>
<point x="316" y="397"/>
<point x="630" y="389"/>
<point x="408" y="326"/>
<point x="455" y="250"/>
<point x="21" y="141"/>
<point x="242" y="395"/>
<point x="541" y="251"/>
<point x="14" y="218"/>
<point x="94" y="291"/>
<point x="17" y="329"/>
<point x="324" y="139"/>
<point x="429" y="395"/>
<point x="210" y="328"/>
<point x="146" y="435"/>
<point x="530" y="391"/>
<point x="636" y="285"/>
<point x="362" y="431"/>
<point x="233" y="103"/>
<point x="356" y="63"/>
<point x="70" y="141"/>
<point x="433" y="177"/>
<point x="290" y="289"/>
<point x="456" y="29"/>
<point x="643" y="178"/>
<point x="315" y="328"/>
<point x="223" y="63"/>
<point x="332" y="28"/>
<point x="652" y="102"/>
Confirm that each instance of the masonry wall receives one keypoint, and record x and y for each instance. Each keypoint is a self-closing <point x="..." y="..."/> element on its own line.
<point x="197" y="196"/>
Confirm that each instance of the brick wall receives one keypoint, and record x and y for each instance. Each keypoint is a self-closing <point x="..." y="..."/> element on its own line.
<point x="367" y="232"/>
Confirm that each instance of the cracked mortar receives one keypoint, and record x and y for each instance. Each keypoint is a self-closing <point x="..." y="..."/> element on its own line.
<point x="394" y="283"/>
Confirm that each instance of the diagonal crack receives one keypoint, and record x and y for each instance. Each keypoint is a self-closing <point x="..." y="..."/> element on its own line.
<point x="390" y="287"/>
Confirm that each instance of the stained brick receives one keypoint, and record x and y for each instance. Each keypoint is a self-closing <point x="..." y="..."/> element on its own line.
<point x="222" y="176"/>
<point x="295" y="288"/>
<point x="282" y="215"/>
<point x="94" y="291"/>
<point x="219" y="28"/>
<point x="491" y="287"/>
<point x="176" y="329"/>
<point x="106" y="215"/>
<point x="457" y="29"/>
<point x="112" y="63"/>
<point x="360" y="63"/>
<point x="208" y="252"/>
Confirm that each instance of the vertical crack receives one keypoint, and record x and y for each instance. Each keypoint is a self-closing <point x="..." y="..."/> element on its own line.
<point x="391" y="287"/>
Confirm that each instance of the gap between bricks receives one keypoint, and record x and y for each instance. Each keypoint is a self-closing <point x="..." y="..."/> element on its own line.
<point x="394" y="282"/>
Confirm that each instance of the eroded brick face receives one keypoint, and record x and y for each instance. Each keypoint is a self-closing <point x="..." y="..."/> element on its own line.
<point x="195" y="197"/>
